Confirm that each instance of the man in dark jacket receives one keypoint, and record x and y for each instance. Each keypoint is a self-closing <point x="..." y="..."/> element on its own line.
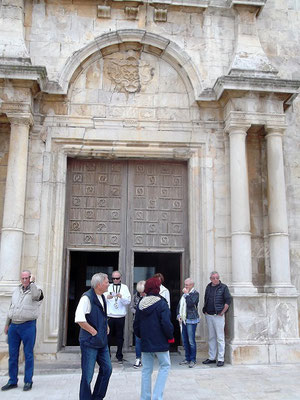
<point x="216" y="302"/>
<point x="91" y="315"/>
<point x="153" y="325"/>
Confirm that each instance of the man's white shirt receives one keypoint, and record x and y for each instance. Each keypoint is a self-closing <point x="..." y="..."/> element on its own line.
<point x="84" y="307"/>
<point x="117" y="307"/>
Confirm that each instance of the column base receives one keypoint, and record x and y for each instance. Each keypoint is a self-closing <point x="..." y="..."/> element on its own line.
<point x="281" y="288"/>
<point x="242" y="288"/>
<point x="262" y="328"/>
<point x="274" y="352"/>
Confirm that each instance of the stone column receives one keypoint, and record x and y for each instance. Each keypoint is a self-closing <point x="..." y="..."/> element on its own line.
<point x="277" y="211"/>
<point x="240" y="210"/>
<point x="14" y="202"/>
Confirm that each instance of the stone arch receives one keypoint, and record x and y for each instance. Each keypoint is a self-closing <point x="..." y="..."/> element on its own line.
<point x="151" y="43"/>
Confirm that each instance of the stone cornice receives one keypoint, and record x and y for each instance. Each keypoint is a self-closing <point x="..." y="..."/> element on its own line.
<point x="24" y="72"/>
<point x="288" y="88"/>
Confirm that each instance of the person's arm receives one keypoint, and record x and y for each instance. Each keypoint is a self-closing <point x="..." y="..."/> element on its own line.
<point x="84" y="307"/>
<point x="125" y="298"/>
<point x="226" y="306"/>
<point x="35" y="291"/>
<point x="165" y="320"/>
<point x="136" y="324"/>
<point x="87" y="327"/>
<point x="192" y="299"/>
<point x="227" y="299"/>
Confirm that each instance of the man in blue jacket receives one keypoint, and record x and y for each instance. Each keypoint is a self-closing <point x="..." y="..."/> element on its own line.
<point x="153" y="325"/>
<point x="217" y="300"/>
<point x="91" y="315"/>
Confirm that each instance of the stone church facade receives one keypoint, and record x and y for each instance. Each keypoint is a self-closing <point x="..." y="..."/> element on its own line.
<point x="154" y="135"/>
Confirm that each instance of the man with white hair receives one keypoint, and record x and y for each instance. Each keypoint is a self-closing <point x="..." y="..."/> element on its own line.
<point x="91" y="316"/>
<point x="21" y="327"/>
<point x="217" y="300"/>
<point x="188" y="317"/>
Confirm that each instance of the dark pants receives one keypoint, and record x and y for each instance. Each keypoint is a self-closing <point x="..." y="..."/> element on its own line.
<point x="116" y="330"/>
<point x="89" y="357"/>
<point x="18" y="333"/>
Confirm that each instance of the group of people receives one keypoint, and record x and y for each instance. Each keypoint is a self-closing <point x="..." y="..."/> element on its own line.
<point x="101" y="314"/>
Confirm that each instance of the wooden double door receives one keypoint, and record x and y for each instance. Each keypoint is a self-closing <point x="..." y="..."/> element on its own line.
<point x="126" y="215"/>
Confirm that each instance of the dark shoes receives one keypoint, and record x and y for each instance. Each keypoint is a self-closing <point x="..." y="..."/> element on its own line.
<point x="220" y="363"/>
<point x="27" y="386"/>
<point x="9" y="386"/>
<point x="208" y="361"/>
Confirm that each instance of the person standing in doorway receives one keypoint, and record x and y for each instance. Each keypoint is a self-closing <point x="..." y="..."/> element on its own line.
<point x="140" y="287"/>
<point x="217" y="300"/>
<point x="91" y="316"/>
<point x="188" y="317"/>
<point x="163" y="291"/>
<point x="118" y="298"/>
<point x="21" y="327"/>
<point x="152" y="324"/>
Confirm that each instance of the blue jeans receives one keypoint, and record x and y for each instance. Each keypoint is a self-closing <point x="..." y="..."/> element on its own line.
<point x="163" y="371"/>
<point x="18" y="333"/>
<point x="138" y="351"/>
<point x="89" y="357"/>
<point x="188" y="332"/>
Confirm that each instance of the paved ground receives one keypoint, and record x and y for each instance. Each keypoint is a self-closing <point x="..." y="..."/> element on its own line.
<point x="60" y="381"/>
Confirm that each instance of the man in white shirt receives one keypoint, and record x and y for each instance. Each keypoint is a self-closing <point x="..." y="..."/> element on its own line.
<point x="118" y="298"/>
<point x="91" y="315"/>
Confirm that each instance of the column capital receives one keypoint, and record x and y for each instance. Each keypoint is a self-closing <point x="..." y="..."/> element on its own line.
<point x="275" y="130"/>
<point x="236" y="127"/>
<point x="20" y="119"/>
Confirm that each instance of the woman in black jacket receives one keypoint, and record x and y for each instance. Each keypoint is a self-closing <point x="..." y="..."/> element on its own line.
<point x="153" y="325"/>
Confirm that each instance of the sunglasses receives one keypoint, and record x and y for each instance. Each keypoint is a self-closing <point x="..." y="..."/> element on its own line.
<point x="116" y="278"/>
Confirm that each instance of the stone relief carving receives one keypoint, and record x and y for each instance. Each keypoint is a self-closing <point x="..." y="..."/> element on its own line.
<point x="129" y="73"/>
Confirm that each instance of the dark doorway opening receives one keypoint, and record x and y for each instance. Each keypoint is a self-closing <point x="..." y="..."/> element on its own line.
<point x="168" y="264"/>
<point x="83" y="265"/>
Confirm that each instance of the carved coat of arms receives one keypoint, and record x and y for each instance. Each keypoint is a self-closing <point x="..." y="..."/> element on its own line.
<point x="129" y="73"/>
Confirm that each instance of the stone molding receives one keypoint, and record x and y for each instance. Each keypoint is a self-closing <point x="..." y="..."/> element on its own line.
<point x="227" y="83"/>
<point x="20" y="119"/>
<point x="26" y="73"/>
<point x="150" y="42"/>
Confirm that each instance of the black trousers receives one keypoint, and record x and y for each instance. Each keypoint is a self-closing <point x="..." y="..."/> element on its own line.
<point x="116" y="335"/>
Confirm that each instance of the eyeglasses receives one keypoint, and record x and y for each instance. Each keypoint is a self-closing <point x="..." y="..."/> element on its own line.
<point x="116" y="278"/>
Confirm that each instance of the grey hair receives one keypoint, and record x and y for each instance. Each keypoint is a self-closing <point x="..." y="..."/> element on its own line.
<point x="190" y="280"/>
<point x="214" y="273"/>
<point x="26" y="270"/>
<point x="140" y="286"/>
<point x="97" y="278"/>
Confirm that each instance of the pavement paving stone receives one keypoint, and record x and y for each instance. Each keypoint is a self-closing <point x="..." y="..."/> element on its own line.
<point x="60" y="381"/>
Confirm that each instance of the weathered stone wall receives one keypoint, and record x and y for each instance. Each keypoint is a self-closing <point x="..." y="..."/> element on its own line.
<point x="279" y="27"/>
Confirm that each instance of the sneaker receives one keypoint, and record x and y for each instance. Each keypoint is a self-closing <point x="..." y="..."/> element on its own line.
<point x="192" y="364"/>
<point x="184" y="362"/>
<point x="220" y="363"/>
<point x="120" y="361"/>
<point x="137" y="363"/>
<point x="208" y="361"/>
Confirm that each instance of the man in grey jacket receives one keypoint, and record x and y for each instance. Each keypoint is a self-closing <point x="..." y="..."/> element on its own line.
<point x="21" y="327"/>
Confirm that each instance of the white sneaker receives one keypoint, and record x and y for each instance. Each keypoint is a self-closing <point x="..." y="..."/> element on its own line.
<point x="137" y="363"/>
